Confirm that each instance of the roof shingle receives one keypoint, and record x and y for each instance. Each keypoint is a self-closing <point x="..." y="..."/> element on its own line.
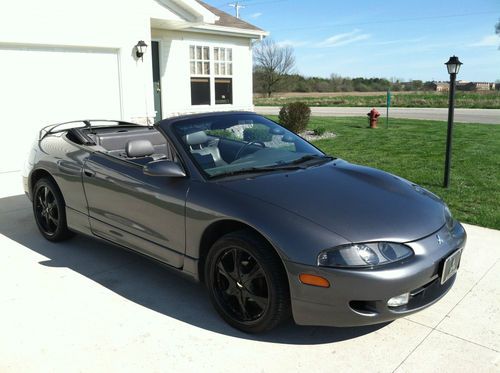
<point x="227" y="20"/>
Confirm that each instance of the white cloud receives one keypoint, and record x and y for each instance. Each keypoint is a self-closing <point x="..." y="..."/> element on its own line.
<point x="291" y="43"/>
<point x="343" y="39"/>
<point x="255" y="15"/>
<point x="399" y="41"/>
<point x="487" y="41"/>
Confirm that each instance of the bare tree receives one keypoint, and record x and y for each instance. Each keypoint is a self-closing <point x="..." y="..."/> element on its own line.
<point x="273" y="62"/>
<point x="497" y="29"/>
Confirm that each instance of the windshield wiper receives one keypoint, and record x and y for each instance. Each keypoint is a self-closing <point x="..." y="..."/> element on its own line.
<point x="255" y="170"/>
<point x="294" y="165"/>
<point x="310" y="157"/>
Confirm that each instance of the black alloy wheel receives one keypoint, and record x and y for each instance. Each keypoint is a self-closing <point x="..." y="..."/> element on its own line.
<point x="49" y="211"/>
<point x="247" y="282"/>
<point x="241" y="285"/>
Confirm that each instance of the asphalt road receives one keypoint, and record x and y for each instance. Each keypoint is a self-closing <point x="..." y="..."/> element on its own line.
<point x="488" y="116"/>
<point x="86" y="306"/>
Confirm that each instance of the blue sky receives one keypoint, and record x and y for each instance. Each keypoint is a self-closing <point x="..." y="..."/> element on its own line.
<point x="392" y="39"/>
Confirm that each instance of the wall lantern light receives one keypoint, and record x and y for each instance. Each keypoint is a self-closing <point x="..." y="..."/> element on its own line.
<point x="140" y="49"/>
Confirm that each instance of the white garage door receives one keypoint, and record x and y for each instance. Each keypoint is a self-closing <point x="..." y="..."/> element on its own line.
<point x="41" y="86"/>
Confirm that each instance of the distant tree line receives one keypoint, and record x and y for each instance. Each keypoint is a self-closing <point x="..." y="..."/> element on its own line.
<point x="274" y="72"/>
<point x="336" y="83"/>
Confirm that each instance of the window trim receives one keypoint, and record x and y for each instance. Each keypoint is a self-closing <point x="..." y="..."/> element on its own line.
<point x="211" y="76"/>
<point x="230" y="83"/>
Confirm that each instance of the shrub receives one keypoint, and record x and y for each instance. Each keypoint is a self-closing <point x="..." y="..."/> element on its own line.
<point x="320" y="131"/>
<point x="257" y="134"/>
<point x="226" y="134"/>
<point x="295" y="116"/>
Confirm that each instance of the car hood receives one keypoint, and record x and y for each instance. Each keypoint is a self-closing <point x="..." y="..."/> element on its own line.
<point x="359" y="203"/>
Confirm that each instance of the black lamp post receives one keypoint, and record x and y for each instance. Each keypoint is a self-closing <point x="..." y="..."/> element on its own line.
<point x="453" y="66"/>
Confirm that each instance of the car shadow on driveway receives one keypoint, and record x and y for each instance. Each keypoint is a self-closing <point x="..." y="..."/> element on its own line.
<point x="144" y="282"/>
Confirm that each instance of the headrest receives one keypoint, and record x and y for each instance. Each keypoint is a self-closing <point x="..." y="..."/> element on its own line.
<point x="139" y="148"/>
<point x="196" y="138"/>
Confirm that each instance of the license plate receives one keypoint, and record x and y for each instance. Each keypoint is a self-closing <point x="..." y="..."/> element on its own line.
<point x="451" y="265"/>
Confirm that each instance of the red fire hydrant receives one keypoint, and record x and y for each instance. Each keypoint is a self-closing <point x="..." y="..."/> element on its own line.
<point x="373" y="117"/>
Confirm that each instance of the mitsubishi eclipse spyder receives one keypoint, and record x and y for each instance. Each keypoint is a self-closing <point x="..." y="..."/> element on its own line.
<point x="273" y="227"/>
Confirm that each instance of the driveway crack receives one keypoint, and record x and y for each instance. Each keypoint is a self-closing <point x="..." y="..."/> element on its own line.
<point x="435" y="328"/>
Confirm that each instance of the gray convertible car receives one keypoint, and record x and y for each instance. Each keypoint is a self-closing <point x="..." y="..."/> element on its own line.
<point x="270" y="224"/>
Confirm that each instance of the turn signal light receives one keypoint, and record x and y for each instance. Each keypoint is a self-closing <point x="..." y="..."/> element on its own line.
<point x="314" y="280"/>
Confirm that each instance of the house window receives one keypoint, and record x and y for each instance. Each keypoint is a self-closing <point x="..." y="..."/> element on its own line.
<point x="223" y="61"/>
<point x="200" y="60"/>
<point x="223" y="91"/>
<point x="211" y="75"/>
<point x="223" y="66"/>
<point x="200" y="91"/>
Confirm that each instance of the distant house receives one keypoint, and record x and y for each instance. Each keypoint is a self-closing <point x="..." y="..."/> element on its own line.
<point x="463" y="85"/>
<point x="475" y="86"/>
<point x="441" y="86"/>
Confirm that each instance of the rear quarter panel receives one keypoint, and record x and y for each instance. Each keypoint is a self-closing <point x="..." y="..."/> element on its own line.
<point x="64" y="161"/>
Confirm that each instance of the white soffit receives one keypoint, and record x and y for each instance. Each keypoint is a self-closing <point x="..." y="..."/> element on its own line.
<point x="180" y="12"/>
<point x="191" y="16"/>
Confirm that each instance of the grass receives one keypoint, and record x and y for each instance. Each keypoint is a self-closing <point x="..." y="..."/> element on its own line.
<point x="414" y="149"/>
<point x="471" y="100"/>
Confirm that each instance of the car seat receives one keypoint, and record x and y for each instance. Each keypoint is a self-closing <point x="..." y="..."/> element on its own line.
<point x="204" y="149"/>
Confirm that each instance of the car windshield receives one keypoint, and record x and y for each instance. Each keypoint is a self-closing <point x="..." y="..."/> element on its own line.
<point x="232" y="144"/>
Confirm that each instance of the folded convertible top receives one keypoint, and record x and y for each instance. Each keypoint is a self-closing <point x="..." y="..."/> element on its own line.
<point x="84" y="123"/>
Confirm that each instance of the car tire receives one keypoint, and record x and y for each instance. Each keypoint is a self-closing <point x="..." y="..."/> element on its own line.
<point x="247" y="283"/>
<point x="50" y="211"/>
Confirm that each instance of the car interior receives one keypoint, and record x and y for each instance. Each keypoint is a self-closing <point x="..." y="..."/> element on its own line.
<point x="205" y="149"/>
<point x="139" y="145"/>
<point x="142" y="145"/>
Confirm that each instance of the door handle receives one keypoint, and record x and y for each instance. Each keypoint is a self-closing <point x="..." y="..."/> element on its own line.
<point x="89" y="173"/>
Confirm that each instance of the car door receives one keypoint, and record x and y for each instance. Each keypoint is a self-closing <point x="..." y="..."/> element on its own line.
<point x="141" y="212"/>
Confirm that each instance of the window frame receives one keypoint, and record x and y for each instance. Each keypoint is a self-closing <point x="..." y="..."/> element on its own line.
<point x="212" y="76"/>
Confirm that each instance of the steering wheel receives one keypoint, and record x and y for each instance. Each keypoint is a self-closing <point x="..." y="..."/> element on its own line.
<point x="247" y="145"/>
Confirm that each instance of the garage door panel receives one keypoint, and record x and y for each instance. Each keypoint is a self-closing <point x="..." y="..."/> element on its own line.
<point x="44" y="86"/>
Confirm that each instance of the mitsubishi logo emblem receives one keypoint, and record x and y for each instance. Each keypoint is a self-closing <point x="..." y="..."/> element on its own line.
<point x="439" y="239"/>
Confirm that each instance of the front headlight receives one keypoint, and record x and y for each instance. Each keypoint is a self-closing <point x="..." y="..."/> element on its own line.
<point x="364" y="254"/>
<point x="448" y="218"/>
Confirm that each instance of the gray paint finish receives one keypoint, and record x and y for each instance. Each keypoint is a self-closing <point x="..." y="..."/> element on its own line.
<point x="300" y="212"/>
<point x="359" y="203"/>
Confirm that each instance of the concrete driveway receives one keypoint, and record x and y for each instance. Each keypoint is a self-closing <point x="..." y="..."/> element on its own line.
<point x="488" y="116"/>
<point x="88" y="306"/>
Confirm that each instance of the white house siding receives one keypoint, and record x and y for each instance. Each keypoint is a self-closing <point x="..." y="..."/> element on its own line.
<point x="63" y="60"/>
<point x="49" y="91"/>
<point x="175" y="71"/>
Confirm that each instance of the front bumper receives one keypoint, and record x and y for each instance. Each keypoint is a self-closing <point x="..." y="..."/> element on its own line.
<point x="359" y="296"/>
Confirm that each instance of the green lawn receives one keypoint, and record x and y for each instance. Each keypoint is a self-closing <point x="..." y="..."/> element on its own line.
<point x="484" y="100"/>
<point x="414" y="149"/>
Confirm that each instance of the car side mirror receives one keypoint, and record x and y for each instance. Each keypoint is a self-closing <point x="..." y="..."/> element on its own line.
<point x="163" y="167"/>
